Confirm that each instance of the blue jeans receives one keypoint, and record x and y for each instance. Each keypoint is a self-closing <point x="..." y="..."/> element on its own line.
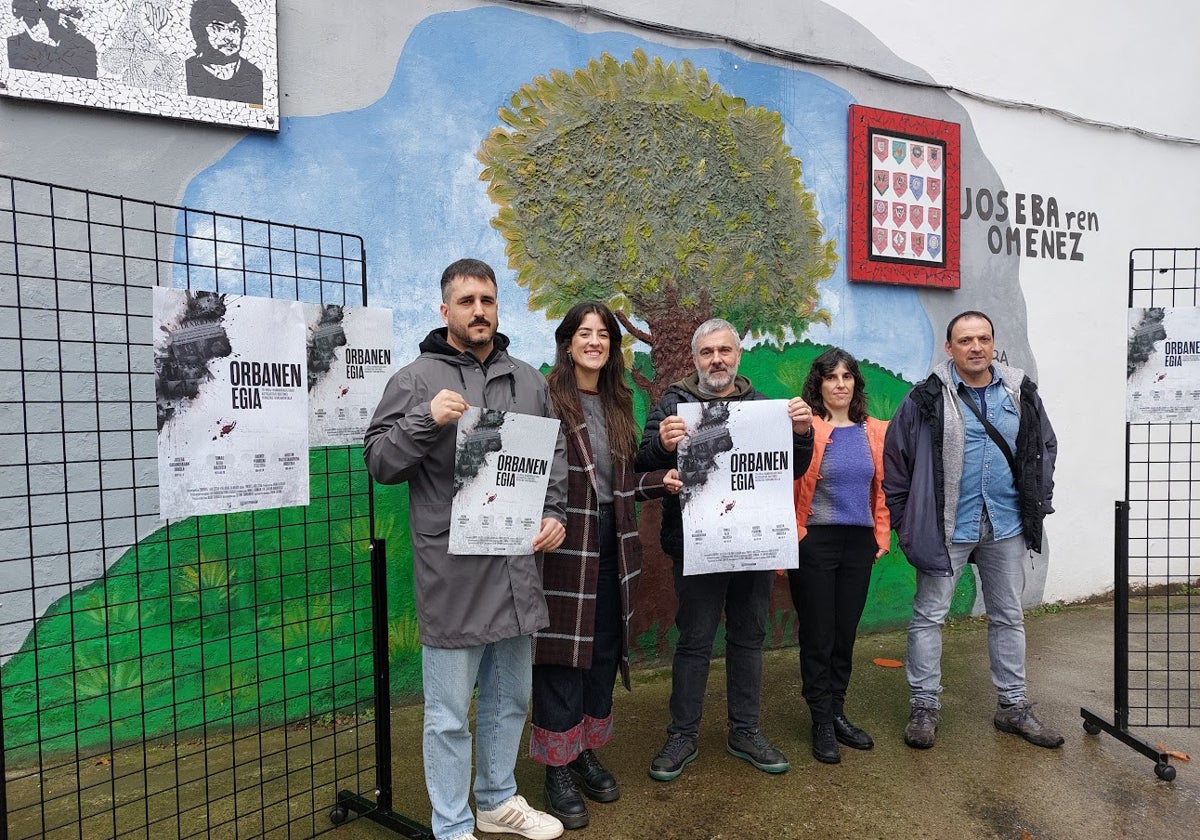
<point x="743" y="596"/>
<point x="1001" y="565"/>
<point x="502" y="671"/>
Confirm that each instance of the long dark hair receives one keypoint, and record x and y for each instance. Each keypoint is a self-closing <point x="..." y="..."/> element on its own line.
<point x="824" y="365"/>
<point x="615" y="395"/>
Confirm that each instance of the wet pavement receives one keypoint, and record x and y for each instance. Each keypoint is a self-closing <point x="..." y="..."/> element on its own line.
<point x="974" y="783"/>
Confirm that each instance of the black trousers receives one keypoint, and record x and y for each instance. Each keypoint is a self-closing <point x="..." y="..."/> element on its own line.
<point x="743" y="597"/>
<point x="829" y="591"/>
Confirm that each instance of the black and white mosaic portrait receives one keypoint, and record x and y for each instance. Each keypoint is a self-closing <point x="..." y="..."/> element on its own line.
<point x="209" y="60"/>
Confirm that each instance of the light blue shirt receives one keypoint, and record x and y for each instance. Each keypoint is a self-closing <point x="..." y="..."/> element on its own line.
<point x="987" y="480"/>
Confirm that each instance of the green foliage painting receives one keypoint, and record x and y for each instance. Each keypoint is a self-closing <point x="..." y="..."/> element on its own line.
<point x="644" y="185"/>
<point x="215" y="623"/>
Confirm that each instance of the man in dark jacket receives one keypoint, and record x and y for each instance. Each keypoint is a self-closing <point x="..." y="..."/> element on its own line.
<point x="743" y="596"/>
<point x="969" y="472"/>
<point x="476" y="614"/>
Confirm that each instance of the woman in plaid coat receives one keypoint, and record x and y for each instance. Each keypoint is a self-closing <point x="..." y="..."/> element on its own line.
<point x="591" y="579"/>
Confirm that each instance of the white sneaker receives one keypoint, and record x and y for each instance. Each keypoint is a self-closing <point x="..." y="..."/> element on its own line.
<point x="516" y="816"/>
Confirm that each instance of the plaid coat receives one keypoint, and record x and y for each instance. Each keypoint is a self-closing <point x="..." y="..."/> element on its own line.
<point x="569" y="574"/>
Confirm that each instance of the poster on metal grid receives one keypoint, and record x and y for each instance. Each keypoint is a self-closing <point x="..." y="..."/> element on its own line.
<point x="349" y="353"/>
<point x="232" y="403"/>
<point x="501" y="471"/>
<point x="736" y="467"/>
<point x="1162" y="371"/>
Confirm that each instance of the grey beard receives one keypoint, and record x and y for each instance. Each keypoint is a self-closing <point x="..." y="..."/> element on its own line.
<point x="702" y="386"/>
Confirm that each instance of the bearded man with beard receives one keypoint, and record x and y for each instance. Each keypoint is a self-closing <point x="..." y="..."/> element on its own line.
<point x="743" y="596"/>
<point x="476" y="614"/>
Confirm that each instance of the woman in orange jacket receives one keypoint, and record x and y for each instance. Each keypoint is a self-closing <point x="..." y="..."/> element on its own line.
<point x="843" y="527"/>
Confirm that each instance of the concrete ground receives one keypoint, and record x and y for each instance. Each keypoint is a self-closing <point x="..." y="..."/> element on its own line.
<point x="975" y="783"/>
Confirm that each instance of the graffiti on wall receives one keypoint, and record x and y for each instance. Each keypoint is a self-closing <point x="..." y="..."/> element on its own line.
<point x="673" y="184"/>
<point x="1029" y="224"/>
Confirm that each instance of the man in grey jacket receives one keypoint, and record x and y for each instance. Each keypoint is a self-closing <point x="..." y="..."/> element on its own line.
<point x="476" y="614"/>
<point x="969" y="472"/>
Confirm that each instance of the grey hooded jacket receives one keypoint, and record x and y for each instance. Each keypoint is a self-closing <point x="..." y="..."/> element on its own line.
<point x="462" y="600"/>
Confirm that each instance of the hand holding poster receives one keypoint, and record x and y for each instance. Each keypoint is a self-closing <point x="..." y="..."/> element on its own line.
<point x="736" y="466"/>
<point x="501" y="472"/>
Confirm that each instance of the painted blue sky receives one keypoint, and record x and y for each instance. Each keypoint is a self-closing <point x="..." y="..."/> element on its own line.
<point x="402" y="173"/>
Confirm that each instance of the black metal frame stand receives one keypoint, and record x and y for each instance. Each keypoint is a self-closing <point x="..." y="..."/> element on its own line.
<point x="1093" y="724"/>
<point x="1156" y="512"/>
<point x="162" y="725"/>
<point x="380" y="811"/>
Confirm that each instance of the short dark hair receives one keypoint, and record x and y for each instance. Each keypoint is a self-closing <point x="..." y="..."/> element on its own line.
<point x="466" y="267"/>
<point x="824" y="365"/>
<point x="970" y="313"/>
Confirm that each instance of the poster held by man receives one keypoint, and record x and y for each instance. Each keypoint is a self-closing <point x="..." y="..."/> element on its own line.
<point x="735" y="462"/>
<point x="501" y="471"/>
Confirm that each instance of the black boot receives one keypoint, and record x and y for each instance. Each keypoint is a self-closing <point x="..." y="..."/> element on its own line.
<point x="563" y="800"/>
<point x="596" y="783"/>
<point x="850" y="735"/>
<point x="824" y="744"/>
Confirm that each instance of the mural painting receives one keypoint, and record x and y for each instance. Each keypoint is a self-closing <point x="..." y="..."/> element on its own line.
<point x="673" y="184"/>
<point x="644" y="185"/>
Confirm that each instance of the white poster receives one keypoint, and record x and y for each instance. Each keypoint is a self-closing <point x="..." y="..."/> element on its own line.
<point x="349" y="362"/>
<point x="736" y="466"/>
<point x="501" y="471"/>
<point x="209" y="60"/>
<point x="232" y="403"/>
<point x="1163" y="365"/>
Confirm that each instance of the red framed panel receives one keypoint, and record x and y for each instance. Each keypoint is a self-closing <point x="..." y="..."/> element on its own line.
<point x="904" y="199"/>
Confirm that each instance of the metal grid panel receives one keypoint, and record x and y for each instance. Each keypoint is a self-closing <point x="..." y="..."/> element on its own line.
<point x="210" y="677"/>
<point x="1163" y="465"/>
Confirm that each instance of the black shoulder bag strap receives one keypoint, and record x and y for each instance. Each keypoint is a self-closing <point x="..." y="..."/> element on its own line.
<point x="991" y="430"/>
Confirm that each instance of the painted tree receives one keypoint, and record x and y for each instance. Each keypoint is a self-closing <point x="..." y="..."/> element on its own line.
<point x="643" y="185"/>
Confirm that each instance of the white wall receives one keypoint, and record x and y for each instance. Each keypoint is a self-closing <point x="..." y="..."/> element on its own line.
<point x="1114" y="61"/>
<point x="1134" y="65"/>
